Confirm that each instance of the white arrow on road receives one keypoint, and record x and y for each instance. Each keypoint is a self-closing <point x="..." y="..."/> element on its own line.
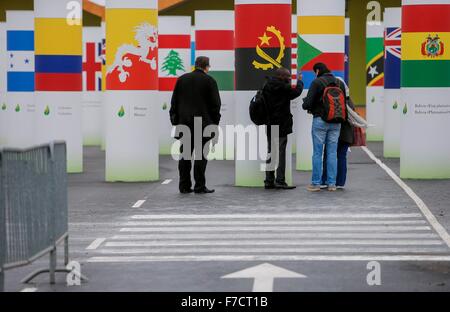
<point x="264" y="275"/>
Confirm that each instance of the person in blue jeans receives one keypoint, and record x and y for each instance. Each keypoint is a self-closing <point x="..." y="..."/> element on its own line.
<point x="346" y="139"/>
<point x="324" y="134"/>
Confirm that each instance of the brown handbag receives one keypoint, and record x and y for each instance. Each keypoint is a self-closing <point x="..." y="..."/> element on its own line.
<point x="359" y="135"/>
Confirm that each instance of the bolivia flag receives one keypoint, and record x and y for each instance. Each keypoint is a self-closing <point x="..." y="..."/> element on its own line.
<point x="426" y="46"/>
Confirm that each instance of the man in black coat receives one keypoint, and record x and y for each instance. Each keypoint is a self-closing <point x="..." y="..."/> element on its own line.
<point x="278" y="94"/>
<point x="196" y="95"/>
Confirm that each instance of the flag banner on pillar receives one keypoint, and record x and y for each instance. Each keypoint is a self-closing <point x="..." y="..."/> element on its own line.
<point x="20" y="78"/>
<point x="92" y="59"/>
<point x="214" y="38"/>
<point x="392" y="92"/>
<point x="375" y="80"/>
<point x="425" y="83"/>
<point x="262" y="44"/>
<point x="174" y="53"/>
<point x="92" y="86"/>
<point x="266" y="45"/>
<point x="294" y="50"/>
<point x="321" y="38"/>
<point x="58" y="55"/>
<point x="347" y="52"/>
<point x="375" y="58"/>
<point x="58" y="75"/>
<point x="429" y="65"/>
<point x="132" y="144"/>
<point x="174" y="50"/>
<point x="3" y="104"/>
<point x="295" y="104"/>
<point x="103" y="57"/>
<point x="192" y="48"/>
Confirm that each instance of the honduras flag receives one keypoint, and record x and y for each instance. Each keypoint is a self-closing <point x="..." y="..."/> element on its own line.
<point x="20" y="58"/>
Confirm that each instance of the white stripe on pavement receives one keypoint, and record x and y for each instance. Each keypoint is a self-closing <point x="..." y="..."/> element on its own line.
<point x="240" y="236"/>
<point x="138" y="204"/>
<point x="277" y="250"/>
<point x="270" y="258"/>
<point x="95" y="244"/>
<point x="167" y="182"/>
<point x="29" y="289"/>
<point x="419" y="202"/>
<point x="275" y="243"/>
<point x="264" y="223"/>
<point x="277" y="216"/>
<point x="278" y="229"/>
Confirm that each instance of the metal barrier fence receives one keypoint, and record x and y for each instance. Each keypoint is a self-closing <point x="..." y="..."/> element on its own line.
<point x="33" y="207"/>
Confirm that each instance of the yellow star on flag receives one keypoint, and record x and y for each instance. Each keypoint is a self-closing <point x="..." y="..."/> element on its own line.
<point x="264" y="39"/>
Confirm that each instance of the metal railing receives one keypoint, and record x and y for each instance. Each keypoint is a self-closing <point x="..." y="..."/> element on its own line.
<point x="33" y="207"/>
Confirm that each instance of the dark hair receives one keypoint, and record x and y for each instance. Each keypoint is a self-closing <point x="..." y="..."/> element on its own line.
<point x="282" y="73"/>
<point x="202" y="62"/>
<point x="322" y="68"/>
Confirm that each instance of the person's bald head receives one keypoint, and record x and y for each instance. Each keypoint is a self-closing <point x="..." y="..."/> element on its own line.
<point x="283" y="74"/>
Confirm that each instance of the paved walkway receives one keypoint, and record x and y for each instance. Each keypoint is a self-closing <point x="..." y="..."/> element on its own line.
<point x="141" y="237"/>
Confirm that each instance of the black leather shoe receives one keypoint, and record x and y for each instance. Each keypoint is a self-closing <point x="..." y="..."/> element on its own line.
<point x="269" y="186"/>
<point x="284" y="186"/>
<point x="186" y="191"/>
<point x="204" y="190"/>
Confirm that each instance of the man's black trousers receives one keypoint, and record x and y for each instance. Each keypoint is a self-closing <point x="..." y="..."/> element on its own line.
<point x="200" y="163"/>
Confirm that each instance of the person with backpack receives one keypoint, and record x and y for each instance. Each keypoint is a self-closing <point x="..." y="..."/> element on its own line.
<point x="326" y="101"/>
<point x="277" y="94"/>
<point x="346" y="139"/>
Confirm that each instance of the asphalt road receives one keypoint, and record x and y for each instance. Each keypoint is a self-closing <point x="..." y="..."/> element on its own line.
<point x="171" y="242"/>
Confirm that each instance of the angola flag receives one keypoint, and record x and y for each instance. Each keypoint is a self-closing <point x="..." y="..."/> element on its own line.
<point x="262" y="42"/>
<point x="426" y="45"/>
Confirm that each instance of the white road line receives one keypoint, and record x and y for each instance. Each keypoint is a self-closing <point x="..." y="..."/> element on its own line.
<point x="365" y="258"/>
<point x="29" y="289"/>
<point x="275" y="243"/>
<point x="138" y="204"/>
<point x="166" y="182"/>
<point x="241" y="236"/>
<point x="419" y="202"/>
<point x="264" y="223"/>
<point x="276" y="250"/>
<point x="278" y="229"/>
<point x="278" y="216"/>
<point x="95" y="244"/>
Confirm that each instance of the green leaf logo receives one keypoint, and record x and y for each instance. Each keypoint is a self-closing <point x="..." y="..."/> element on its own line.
<point x="373" y="99"/>
<point x="395" y="105"/>
<point x="121" y="112"/>
<point x="164" y="106"/>
<point x="17" y="108"/>
<point x="4" y="106"/>
<point x="47" y="111"/>
<point x="405" y="109"/>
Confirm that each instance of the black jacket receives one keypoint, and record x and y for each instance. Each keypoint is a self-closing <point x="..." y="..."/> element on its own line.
<point x="278" y="95"/>
<point x="195" y="95"/>
<point x="347" y="135"/>
<point x="313" y="101"/>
